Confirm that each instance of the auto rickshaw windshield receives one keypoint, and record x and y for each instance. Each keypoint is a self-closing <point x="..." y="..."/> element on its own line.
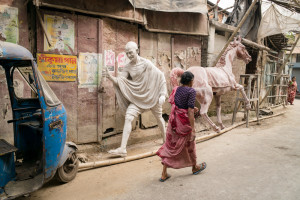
<point x="50" y="97"/>
<point x="27" y="74"/>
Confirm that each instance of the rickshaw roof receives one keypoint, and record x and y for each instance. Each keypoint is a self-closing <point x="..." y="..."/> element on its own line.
<point x="10" y="51"/>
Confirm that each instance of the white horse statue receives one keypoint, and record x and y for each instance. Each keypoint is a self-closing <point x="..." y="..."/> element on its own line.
<point x="216" y="81"/>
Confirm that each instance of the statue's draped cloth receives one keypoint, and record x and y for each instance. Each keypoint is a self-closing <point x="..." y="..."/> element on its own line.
<point x="146" y="88"/>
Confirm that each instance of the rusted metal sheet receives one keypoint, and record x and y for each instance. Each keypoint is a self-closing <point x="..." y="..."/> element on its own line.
<point x="148" y="49"/>
<point x="87" y="116"/>
<point x="87" y="97"/>
<point x="108" y="7"/>
<point x="189" y="23"/>
<point x="115" y="36"/>
<point x="157" y="48"/>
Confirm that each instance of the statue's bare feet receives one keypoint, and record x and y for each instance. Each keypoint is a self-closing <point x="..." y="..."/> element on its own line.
<point x="118" y="152"/>
<point x="222" y="126"/>
<point x="217" y="129"/>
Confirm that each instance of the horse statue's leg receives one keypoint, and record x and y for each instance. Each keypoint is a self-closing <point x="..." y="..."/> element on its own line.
<point x="218" y="105"/>
<point x="204" y="97"/>
<point x="246" y="100"/>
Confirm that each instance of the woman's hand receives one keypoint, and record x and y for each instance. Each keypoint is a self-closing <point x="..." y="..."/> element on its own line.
<point x="193" y="136"/>
<point x="196" y="109"/>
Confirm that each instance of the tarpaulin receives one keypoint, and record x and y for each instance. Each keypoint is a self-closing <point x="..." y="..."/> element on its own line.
<point x="273" y="22"/>
<point x="250" y="27"/>
<point x="194" y="6"/>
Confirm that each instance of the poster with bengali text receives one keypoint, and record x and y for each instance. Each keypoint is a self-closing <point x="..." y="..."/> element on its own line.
<point x="122" y="61"/>
<point x="89" y="69"/>
<point x="109" y="60"/>
<point x="62" y="34"/>
<point x="57" y="67"/>
<point x="9" y="24"/>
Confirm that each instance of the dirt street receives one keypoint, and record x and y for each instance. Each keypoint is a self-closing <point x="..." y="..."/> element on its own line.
<point x="261" y="162"/>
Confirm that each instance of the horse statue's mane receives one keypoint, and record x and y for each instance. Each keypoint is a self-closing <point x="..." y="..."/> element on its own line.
<point x="222" y="61"/>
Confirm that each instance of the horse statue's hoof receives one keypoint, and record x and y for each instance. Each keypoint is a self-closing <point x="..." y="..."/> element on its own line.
<point x="222" y="126"/>
<point x="248" y="106"/>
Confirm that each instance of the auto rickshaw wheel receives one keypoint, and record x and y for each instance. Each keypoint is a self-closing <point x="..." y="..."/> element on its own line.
<point x="68" y="170"/>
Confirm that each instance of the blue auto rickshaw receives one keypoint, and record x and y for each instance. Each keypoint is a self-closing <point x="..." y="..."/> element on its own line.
<point x="40" y="151"/>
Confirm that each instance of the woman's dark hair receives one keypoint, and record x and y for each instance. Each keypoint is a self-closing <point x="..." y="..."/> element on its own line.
<point x="186" y="78"/>
<point x="293" y="77"/>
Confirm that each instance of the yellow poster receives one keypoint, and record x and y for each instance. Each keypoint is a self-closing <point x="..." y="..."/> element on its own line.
<point x="57" y="67"/>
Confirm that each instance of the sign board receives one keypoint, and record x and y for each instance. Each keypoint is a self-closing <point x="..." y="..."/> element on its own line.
<point x="57" y="67"/>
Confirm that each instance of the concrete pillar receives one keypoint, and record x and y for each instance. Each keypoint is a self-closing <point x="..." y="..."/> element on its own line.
<point x="211" y="45"/>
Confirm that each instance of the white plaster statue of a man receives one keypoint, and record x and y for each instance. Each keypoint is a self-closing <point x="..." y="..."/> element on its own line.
<point x="139" y="87"/>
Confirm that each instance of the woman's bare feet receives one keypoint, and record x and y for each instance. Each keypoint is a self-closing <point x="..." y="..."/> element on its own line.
<point x="164" y="174"/>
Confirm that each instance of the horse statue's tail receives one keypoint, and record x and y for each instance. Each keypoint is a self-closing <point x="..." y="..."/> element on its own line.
<point x="174" y="75"/>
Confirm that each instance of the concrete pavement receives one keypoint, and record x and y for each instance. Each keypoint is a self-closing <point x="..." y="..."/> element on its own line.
<point x="261" y="162"/>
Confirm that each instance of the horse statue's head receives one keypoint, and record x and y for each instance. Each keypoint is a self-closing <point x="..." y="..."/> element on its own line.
<point x="241" y="51"/>
<point x="235" y="48"/>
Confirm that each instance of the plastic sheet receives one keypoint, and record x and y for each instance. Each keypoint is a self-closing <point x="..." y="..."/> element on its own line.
<point x="194" y="6"/>
<point x="273" y="22"/>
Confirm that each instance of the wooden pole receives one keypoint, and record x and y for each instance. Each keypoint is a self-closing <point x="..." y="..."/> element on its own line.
<point x="236" y="30"/>
<point x="280" y="71"/>
<point x="43" y="27"/>
<point x="259" y="46"/>
<point x="297" y="2"/>
<point x="225" y="9"/>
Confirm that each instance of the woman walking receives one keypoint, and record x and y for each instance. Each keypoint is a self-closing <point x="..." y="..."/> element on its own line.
<point x="292" y="90"/>
<point x="179" y="150"/>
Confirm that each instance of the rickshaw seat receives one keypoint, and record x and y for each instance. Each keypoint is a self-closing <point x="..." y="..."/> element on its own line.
<point x="6" y="148"/>
<point x="7" y="164"/>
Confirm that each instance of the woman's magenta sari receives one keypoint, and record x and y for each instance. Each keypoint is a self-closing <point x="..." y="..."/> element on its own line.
<point x="292" y="90"/>
<point x="178" y="151"/>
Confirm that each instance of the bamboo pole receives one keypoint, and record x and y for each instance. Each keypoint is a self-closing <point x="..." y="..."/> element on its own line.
<point x="225" y="9"/>
<point x="96" y="164"/>
<point x="169" y="31"/>
<point x="235" y="31"/>
<point x="297" y="2"/>
<point x="280" y="71"/>
<point x="259" y="46"/>
<point x="43" y="27"/>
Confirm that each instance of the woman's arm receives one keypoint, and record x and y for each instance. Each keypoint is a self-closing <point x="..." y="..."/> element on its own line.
<point x="192" y="122"/>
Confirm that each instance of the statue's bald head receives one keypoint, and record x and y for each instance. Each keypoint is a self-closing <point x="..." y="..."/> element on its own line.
<point x="131" y="45"/>
<point x="131" y="50"/>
